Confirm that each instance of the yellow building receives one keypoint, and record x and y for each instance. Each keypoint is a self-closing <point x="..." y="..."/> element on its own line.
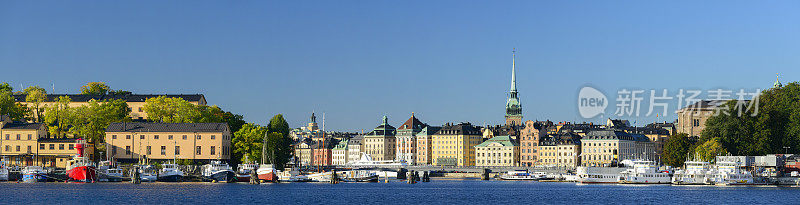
<point x="135" y="102"/>
<point x="497" y="151"/>
<point x="609" y="147"/>
<point x="380" y="143"/>
<point x="454" y="145"/>
<point x="27" y="144"/>
<point x="166" y="141"/>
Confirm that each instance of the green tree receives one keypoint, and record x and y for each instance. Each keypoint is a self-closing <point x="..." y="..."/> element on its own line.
<point x="676" y="149"/>
<point x="119" y="92"/>
<point x="235" y="121"/>
<point x="91" y="120"/>
<point x="710" y="149"/>
<point x="95" y="88"/>
<point x="57" y="117"/>
<point x="9" y="106"/>
<point x="178" y="110"/>
<point x="5" y="87"/>
<point x="248" y="142"/>
<point x="36" y="96"/>
<point x="279" y="145"/>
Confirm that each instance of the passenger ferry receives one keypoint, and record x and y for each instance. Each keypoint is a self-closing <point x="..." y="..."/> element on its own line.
<point x="218" y="171"/>
<point x="644" y="172"/>
<point x="729" y="173"/>
<point x="518" y="175"/>
<point x="695" y="173"/>
<point x="170" y="173"/>
<point x="595" y="175"/>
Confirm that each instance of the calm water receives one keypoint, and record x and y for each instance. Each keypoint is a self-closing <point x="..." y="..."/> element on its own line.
<point x="435" y="192"/>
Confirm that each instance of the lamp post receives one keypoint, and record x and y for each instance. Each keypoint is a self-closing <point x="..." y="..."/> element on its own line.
<point x="786" y="149"/>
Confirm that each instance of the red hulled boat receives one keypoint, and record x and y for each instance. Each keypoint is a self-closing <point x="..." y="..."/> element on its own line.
<point x="80" y="168"/>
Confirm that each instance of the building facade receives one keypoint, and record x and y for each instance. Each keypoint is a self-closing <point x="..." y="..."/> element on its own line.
<point x="454" y="145"/>
<point x="130" y="142"/>
<point x="609" y="147"/>
<point x="498" y="151"/>
<point x="28" y="144"/>
<point x="340" y="153"/>
<point x="380" y="143"/>
<point x="424" y="143"/>
<point x="407" y="139"/>
<point x="354" y="148"/>
<point x="529" y="142"/>
<point x="692" y="119"/>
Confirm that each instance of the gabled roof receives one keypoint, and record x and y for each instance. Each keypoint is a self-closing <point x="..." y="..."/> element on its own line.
<point x="503" y="140"/>
<point x="412" y="124"/>
<point x="22" y="126"/>
<point x="127" y="98"/>
<point x="167" y="127"/>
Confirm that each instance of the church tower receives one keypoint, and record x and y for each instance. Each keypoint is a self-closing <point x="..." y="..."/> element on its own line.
<point x="513" y="107"/>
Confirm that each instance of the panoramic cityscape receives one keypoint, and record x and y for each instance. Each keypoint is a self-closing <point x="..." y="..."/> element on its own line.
<point x="386" y="103"/>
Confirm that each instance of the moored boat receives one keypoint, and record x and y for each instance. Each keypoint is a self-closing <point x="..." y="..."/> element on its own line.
<point x="267" y="173"/>
<point x="357" y="176"/>
<point x="33" y="174"/>
<point x="730" y="173"/>
<point x="243" y="171"/>
<point x="170" y="173"/>
<point x="595" y="175"/>
<point x="694" y="173"/>
<point x="518" y="175"/>
<point x="3" y="173"/>
<point x="644" y="172"/>
<point x="292" y="176"/>
<point x="80" y="168"/>
<point x="218" y="171"/>
<point x="107" y="172"/>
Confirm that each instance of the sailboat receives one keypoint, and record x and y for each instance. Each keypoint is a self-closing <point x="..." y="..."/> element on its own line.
<point x="266" y="172"/>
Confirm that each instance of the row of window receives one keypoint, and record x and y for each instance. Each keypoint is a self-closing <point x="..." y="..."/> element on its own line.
<point x="19" y="137"/>
<point x="41" y="147"/>
<point x="170" y="137"/>
<point x="198" y="150"/>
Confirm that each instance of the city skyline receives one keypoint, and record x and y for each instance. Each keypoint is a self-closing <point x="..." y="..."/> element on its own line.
<point x="436" y="60"/>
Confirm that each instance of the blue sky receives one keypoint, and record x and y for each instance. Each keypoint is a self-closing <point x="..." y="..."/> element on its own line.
<point x="447" y="61"/>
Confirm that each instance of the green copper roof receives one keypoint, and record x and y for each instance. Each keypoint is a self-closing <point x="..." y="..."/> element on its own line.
<point x="504" y="140"/>
<point x="342" y="145"/>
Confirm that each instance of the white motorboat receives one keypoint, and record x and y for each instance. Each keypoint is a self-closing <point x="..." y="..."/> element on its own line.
<point x="147" y="173"/>
<point x="3" y="173"/>
<point x="170" y="173"/>
<point x="730" y="173"/>
<point x="695" y="173"/>
<point x="518" y="175"/>
<point x="594" y="175"/>
<point x="218" y="171"/>
<point x="357" y="176"/>
<point x="321" y="176"/>
<point x="366" y="161"/>
<point x="292" y="176"/>
<point x="644" y="172"/>
<point x="108" y="173"/>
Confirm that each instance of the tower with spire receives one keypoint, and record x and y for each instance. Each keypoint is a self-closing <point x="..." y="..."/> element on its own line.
<point x="777" y="83"/>
<point x="513" y="106"/>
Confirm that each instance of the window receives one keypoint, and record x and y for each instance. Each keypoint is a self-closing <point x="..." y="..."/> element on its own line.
<point x="60" y="146"/>
<point x="169" y="137"/>
<point x="141" y="137"/>
<point x="198" y="150"/>
<point x="29" y="149"/>
<point x="163" y="150"/>
<point x="17" y="145"/>
<point x="18" y="138"/>
<point x="30" y="136"/>
<point x="140" y="109"/>
<point x="184" y="137"/>
<point x="128" y="150"/>
<point x="52" y="146"/>
<point x="177" y="150"/>
<point x="213" y="151"/>
<point x="212" y="137"/>
<point x="155" y="137"/>
<point x="41" y="147"/>
<point x="8" y="148"/>
<point x="127" y="136"/>
<point x="114" y="137"/>
<point x="7" y="136"/>
<point x="148" y="150"/>
<point x="199" y="137"/>
<point x="71" y="146"/>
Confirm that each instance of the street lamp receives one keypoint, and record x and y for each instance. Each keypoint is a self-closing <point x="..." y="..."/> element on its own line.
<point x="786" y="149"/>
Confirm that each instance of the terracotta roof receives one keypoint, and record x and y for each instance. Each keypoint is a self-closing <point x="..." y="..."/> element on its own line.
<point x="412" y="123"/>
